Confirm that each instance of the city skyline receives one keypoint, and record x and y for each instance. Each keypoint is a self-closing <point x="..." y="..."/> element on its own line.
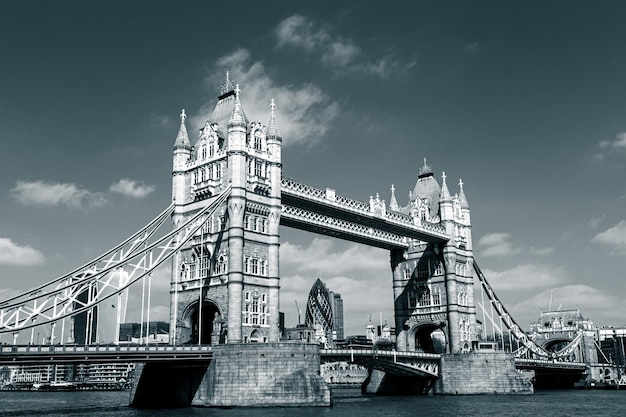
<point x="523" y="102"/>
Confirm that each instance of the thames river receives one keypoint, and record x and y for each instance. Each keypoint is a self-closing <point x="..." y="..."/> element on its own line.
<point x="347" y="403"/>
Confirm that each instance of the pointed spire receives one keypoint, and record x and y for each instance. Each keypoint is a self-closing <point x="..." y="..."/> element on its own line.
<point x="393" y="203"/>
<point x="237" y="118"/>
<point x="228" y="85"/>
<point x="445" y="193"/>
<point x="182" y="140"/>
<point x="272" y="127"/>
<point x="462" y="198"/>
<point x="425" y="170"/>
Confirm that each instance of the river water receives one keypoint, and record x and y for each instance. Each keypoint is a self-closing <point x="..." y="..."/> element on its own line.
<point x="348" y="402"/>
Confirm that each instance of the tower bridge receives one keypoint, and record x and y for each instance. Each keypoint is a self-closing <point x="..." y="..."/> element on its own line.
<point x="229" y="198"/>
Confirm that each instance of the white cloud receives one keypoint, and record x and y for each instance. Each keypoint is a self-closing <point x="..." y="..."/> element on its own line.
<point x="302" y="111"/>
<point x="340" y="54"/>
<point x="614" y="237"/>
<point x="497" y="244"/>
<point x="131" y="188"/>
<point x="16" y="255"/>
<point x="298" y="31"/>
<point x="591" y="302"/>
<point x="162" y="121"/>
<point x="526" y="277"/>
<point x="595" y="221"/>
<point x="323" y="258"/>
<point x="49" y="194"/>
<point x="541" y="251"/>
<point x="618" y="143"/>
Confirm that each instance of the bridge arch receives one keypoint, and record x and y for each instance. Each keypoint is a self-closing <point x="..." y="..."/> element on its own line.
<point x="194" y="326"/>
<point x="428" y="337"/>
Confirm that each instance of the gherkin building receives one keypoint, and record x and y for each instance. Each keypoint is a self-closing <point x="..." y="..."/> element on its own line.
<point x="325" y="308"/>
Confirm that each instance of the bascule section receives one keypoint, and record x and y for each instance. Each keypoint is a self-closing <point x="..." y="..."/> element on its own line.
<point x="432" y="281"/>
<point x="224" y="285"/>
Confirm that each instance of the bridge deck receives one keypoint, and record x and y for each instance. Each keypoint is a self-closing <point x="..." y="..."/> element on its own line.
<point x="14" y="355"/>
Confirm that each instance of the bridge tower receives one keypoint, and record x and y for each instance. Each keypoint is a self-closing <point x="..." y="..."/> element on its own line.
<point x="224" y="282"/>
<point x="433" y="283"/>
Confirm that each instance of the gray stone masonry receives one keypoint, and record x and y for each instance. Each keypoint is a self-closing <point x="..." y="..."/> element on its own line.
<point x="263" y="375"/>
<point x="480" y="373"/>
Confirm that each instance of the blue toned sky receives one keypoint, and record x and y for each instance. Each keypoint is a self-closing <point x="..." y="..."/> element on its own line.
<point x="525" y="101"/>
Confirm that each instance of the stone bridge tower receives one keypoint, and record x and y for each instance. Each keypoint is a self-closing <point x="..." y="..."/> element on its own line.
<point x="433" y="284"/>
<point x="224" y="283"/>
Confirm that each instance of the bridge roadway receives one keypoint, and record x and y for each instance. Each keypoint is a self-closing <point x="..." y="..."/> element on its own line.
<point x="25" y="355"/>
<point x="410" y="363"/>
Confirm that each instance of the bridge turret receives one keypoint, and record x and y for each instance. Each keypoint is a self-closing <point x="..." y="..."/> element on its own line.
<point x="182" y="153"/>
<point x="446" y="208"/>
<point x="274" y="149"/>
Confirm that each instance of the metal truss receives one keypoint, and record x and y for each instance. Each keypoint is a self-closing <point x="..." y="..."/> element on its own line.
<point x="528" y="345"/>
<point x="397" y="363"/>
<point x="348" y="230"/>
<point x="105" y="276"/>
<point x="390" y="220"/>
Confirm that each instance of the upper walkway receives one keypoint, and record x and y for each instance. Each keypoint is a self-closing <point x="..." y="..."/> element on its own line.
<point x="322" y="211"/>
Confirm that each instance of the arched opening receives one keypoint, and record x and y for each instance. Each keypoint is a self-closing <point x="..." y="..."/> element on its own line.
<point x="430" y="338"/>
<point x="255" y="337"/>
<point x="555" y="345"/>
<point x="202" y="327"/>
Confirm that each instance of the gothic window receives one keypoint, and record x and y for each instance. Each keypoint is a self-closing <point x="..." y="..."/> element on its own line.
<point x="436" y="296"/>
<point x="263" y="267"/>
<point x="221" y="265"/>
<point x="439" y="269"/>
<point x="264" y="225"/>
<point x="407" y="273"/>
<point x="255" y="310"/>
<point x="211" y="149"/>
<point x="203" y="152"/>
<point x="422" y="270"/>
<point x="258" y="168"/>
<point x="247" y="296"/>
<point x="246" y="265"/>
<point x="264" y="298"/>
<point x="250" y="165"/>
<point x="258" y="142"/>
<point x="424" y="296"/>
<point x="255" y="266"/>
<point x="205" y="261"/>
<point x="195" y="177"/>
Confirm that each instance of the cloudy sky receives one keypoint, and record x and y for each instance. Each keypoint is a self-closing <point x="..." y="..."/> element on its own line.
<point x="525" y="101"/>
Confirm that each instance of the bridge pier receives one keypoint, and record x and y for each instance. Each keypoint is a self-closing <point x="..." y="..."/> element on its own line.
<point x="239" y="375"/>
<point x="385" y="383"/>
<point x="480" y="373"/>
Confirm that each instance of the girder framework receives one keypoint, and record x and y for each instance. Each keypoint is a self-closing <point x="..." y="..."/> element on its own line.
<point x="325" y="212"/>
<point x="398" y="363"/>
<point x="527" y="344"/>
<point x="106" y="276"/>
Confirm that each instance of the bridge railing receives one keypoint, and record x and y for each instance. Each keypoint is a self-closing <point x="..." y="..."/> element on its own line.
<point x="329" y="197"/>
<point x="379" y="353"/>
<point x="73" y="349"/>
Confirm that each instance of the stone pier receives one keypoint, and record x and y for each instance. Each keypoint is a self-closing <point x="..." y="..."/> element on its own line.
<point x="239" y="375"/>
<point x="480" y="373"/>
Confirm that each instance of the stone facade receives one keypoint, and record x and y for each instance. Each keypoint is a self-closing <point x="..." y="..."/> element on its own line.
<point x="224" y="285"/>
